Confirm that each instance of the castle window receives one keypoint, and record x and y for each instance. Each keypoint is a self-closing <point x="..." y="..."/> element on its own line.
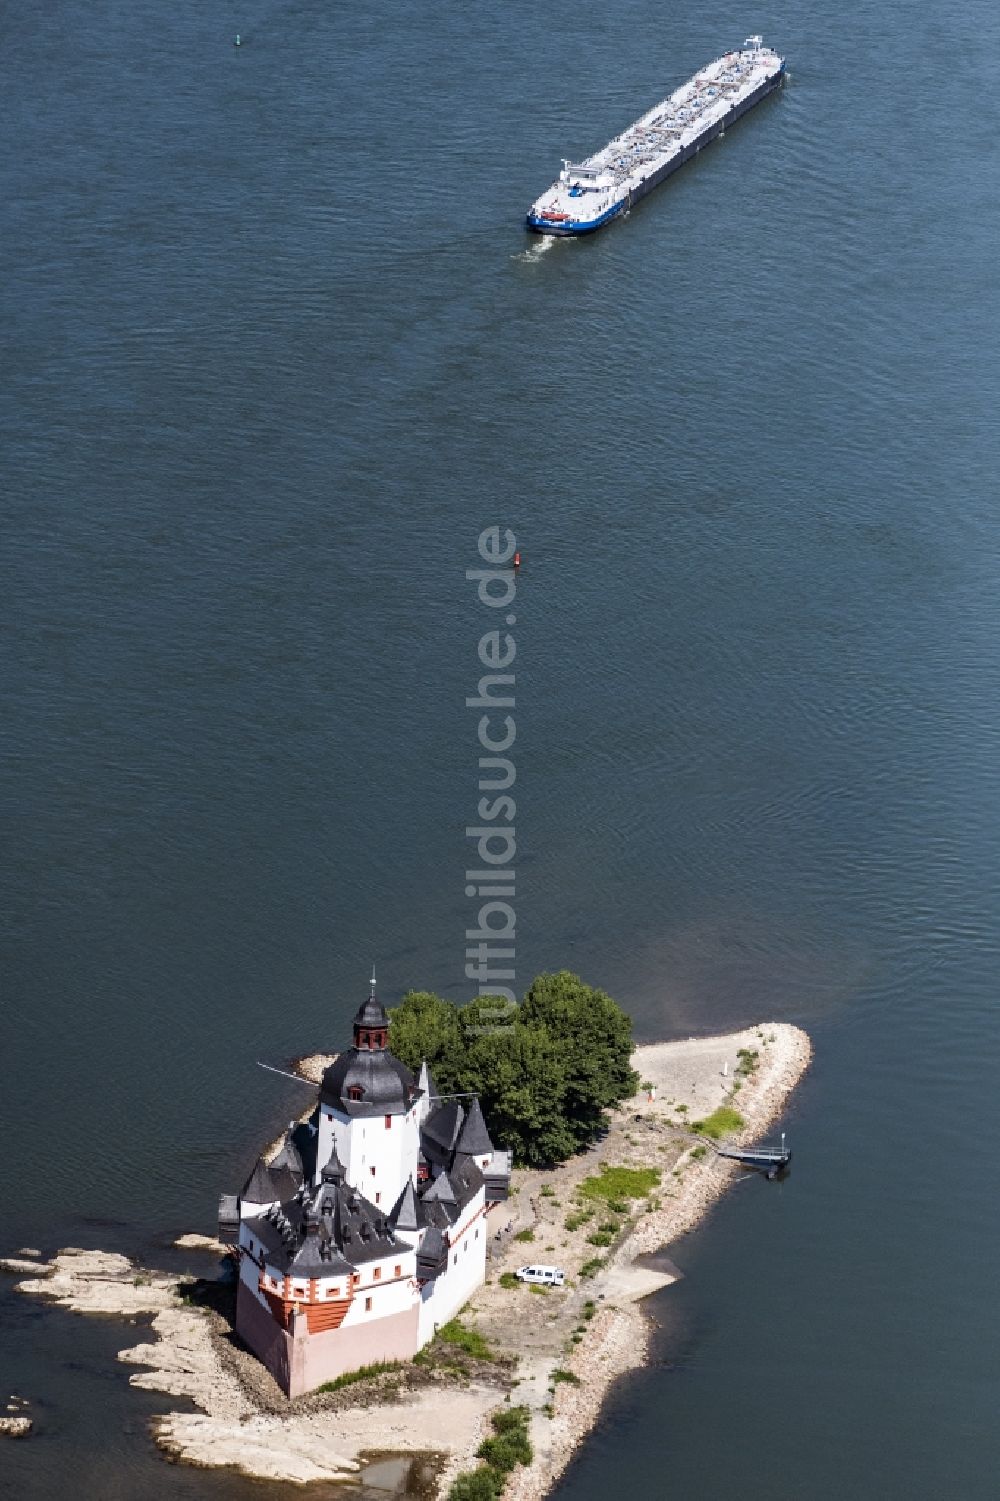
<point x="354" y="1091"/>
<point x="388" y="1123"/>
<point x="378" y="1198"/>
<point x="398" y="1271"/>
<point x="377" y="1273"/>
<point x="373" y="1172"/>
<point x="368" y="1305"/>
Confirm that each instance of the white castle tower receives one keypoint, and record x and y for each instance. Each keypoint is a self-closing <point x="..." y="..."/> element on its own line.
<point x="370" y="1111"/>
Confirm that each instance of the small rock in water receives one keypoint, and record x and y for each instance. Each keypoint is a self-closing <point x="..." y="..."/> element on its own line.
<point x="200" y="1243"/>
<point x="28" y="1251"/>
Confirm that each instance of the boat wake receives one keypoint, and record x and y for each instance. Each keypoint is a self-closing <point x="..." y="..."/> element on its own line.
<point x="536" y="250"/>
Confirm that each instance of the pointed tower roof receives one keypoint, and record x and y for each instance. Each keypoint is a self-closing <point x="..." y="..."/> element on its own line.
<point x="333" y="1171"/>
<point x="371" y="1013"/>
<point x="444" y="1123"/>
<point x="405" y="1213"/>
<point x="260" y="1187"/>
<point x="474" y="1137"/>
<point x="289" y="1156"/>
<point x="440" y="1191"/>
<point x="425" y="1081"/>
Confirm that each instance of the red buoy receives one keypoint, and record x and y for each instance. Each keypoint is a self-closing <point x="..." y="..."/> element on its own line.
<point x="517" y="560"/>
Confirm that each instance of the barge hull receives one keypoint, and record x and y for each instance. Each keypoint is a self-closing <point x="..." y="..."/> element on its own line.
<point x="604" y="187"/>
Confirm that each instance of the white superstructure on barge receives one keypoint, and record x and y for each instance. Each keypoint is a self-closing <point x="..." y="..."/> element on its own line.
<point x="591" y="193"/>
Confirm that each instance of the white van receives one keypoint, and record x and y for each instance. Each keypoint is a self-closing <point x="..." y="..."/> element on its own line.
<point x="547" y="1276"/>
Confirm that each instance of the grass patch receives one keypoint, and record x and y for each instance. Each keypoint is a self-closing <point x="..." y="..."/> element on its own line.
<point x="363" y="1373"/>
<point x="507" y="1279"/>
<point x="468" y="1340"/>
<point x="749" y="1059"/>
<point x="533" y="1287"/>
<point x="580" y="1217"/>
<point x="697" y="1153"/>
<point x="546" y="1191"/>
<point x="568" y="1376"/>
<point x="722" y="1122"/>
<point x="589" y="1309"/>
<point x="599" y="1238"/>
<point x="615" y="1184"/>
<point x="590" y="1269"/>
<point x="525" y="1235"/>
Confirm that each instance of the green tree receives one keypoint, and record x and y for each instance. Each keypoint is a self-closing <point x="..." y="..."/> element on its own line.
<point x="596" y="1041"/>
<point x="545" y="1071"/>
<point x="521" y="1083"/>
<point x="424" y="1026"/>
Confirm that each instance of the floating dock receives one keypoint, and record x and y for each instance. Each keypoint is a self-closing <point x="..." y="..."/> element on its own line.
<point x="593" y="192"/>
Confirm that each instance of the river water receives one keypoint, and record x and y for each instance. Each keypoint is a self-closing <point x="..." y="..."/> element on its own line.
<point x="276" y="351"/>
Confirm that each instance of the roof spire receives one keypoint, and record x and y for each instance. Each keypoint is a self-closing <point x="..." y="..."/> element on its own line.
<point x="371" y="1024"/>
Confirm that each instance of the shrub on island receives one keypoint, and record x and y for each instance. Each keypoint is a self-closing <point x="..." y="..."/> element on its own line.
<point x="507" y="1447"/>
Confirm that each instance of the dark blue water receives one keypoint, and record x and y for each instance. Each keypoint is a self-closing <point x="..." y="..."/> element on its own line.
<point x="276" y="350"/>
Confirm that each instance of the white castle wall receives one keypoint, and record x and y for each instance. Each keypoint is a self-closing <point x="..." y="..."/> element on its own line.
<point x="441" y="1299"/>
<point x="387" y="1294"/>
<point x="379" y="1154"/>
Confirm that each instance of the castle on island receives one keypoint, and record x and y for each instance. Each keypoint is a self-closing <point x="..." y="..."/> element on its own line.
<point x="367" y="1231"/>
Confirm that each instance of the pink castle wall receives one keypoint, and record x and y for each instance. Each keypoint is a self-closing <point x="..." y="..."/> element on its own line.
<point x="300" y="1361"/>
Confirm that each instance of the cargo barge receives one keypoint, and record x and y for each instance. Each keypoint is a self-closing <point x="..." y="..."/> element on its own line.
<point x="593" y="192"/>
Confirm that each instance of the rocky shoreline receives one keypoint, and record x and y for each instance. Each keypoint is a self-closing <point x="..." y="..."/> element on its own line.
<point x="619" y="1336"/>
<point x="427" y="1412"/>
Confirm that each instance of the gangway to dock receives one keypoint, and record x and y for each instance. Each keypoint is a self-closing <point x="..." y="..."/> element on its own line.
<point x="768" y="1160"/>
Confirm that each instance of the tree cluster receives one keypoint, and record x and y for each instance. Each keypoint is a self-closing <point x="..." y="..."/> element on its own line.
<point x="545" y="1070"/>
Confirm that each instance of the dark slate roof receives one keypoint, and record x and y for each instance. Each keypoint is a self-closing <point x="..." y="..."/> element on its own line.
<point x="387" y="1086"/>
<point x="443" y="1216"/>
<point x="407" y="1213"/>
<point x="474" y="1137"/>
<point x="331" y="1230"/>
<point x="443" y="1125"/>
<point x="289" y="1155"/>
<point x="333" y="1167"/>
<point x="432" y="1256"/>
<point x="466" y="1179"/>
<point x="306" y="1139"/>
<point x="371" y="1013"/>
<point x="260" y="1187"/>
<point x="361" y="1230"/>
<point x="440" y="1190"/>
